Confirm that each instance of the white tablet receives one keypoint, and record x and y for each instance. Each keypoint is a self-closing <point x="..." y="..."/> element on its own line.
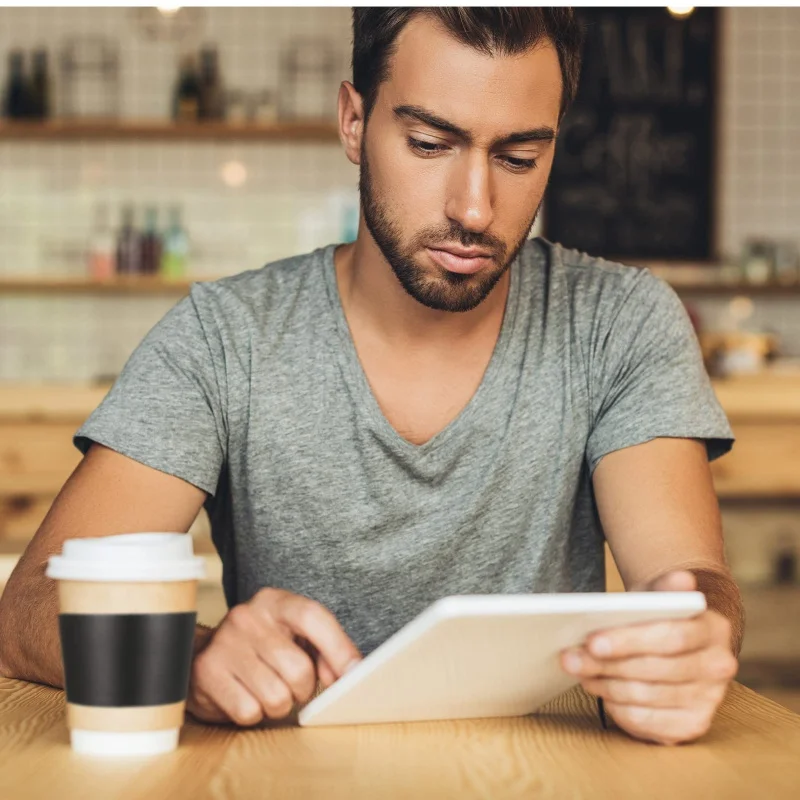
<point x="475" y="656"/>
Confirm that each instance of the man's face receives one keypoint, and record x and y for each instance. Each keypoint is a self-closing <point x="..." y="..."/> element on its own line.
<point x="424" y="188"/>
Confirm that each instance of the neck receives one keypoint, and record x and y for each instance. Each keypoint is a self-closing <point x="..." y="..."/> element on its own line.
<point x="371" y="294"/>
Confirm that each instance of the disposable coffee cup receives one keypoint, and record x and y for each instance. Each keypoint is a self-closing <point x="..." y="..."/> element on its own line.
<point x="127" y="615"/>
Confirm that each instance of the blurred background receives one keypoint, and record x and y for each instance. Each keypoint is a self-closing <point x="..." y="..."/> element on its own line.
<point x="142" y="149"/>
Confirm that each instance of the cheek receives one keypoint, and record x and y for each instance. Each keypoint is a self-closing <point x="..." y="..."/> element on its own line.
<point x="516" y="201"/>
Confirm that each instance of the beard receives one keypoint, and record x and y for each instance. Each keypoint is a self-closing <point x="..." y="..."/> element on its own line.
<point x="443" y="290"/>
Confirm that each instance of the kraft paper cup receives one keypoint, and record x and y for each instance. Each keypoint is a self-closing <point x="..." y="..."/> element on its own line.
<point x="128" y="609"/>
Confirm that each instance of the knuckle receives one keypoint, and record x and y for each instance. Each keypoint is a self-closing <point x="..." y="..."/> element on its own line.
<point x="264" y="595"/>
<point x="299" y="672"/>
<point x="307" y="612"/>
<point x="247" y="712"/>
<point x="204" y="666"/>
<point x="279" y="702"/>
<point x="722" y="666"/>
<point x="724" y="625"/>
<point x="727" y="667"/>
<point x="239" y="616"/>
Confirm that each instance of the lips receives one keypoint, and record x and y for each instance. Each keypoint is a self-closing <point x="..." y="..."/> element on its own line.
<point x="464" y="265"/>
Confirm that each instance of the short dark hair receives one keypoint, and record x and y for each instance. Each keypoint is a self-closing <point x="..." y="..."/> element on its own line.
<point x="506" y="31"/>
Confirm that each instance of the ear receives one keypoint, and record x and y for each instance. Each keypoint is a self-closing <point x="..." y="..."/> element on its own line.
<point x="351" y="121"/>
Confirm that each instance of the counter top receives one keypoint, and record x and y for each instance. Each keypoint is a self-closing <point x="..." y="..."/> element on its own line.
<point x="50" y="402"/>
<point x="769" y="395"/>
<point x="750" y="751"/>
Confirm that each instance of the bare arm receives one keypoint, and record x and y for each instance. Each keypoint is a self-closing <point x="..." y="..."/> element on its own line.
<point x="107" y="493"/>
<point x="660" y="513"/>
<point x="663" y="681"/>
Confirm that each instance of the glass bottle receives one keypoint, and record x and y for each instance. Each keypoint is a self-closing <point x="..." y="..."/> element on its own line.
<point x="16" y="96"/>
<point x="175" y="252"/>
<point x="151" y="243"/>
<point x="40" y="86"/>
<point x="210" y="100"/>
<point x="186" y="101"/>
<point x="129" y="245"/>
<point x="102" y="261"/>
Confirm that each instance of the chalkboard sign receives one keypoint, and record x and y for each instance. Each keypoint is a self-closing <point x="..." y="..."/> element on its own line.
<point x="633" y="176"/>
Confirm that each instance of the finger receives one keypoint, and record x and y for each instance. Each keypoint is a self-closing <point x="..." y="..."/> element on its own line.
<point x="714" y="664"/>
<point x="326" y="674"/>
<point x="656" y="695"/>
<point x="666" y="637"/>
<point x="680" y="580"/>
<point x="289" y="661"/>
<point x="314" y="622"/>
<point x="661" y="725"/>
<point x="274" y="697"/>
<point x="202" y="707"/>
<point x="221" y="693"/>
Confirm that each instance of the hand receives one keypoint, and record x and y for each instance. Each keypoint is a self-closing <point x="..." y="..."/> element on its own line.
<point x="261" y="659"/>
<point x="660" y="681"/>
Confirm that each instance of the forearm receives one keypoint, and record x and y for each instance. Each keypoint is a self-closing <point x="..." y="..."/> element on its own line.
<point x="30" y="645"/>
<point x="30" y="648"/>
<point x="723" y="596"/>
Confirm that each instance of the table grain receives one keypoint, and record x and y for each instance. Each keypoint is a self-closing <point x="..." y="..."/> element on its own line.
<point x="752" y="750"/>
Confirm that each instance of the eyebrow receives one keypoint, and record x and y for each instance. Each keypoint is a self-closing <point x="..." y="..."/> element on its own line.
<point x="542" y="134"/>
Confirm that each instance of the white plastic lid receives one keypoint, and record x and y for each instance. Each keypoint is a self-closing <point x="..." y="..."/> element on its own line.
<point x="128" y="557"/>
<point x="139" y="743"/>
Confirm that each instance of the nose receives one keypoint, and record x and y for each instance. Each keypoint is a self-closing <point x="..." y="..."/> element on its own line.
<point x="469" y="200"/>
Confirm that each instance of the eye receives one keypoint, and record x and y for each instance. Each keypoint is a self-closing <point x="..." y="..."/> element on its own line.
<point x="520" y="164"/>
<point x="431" y="148"/>
<point x="425" y="147"/>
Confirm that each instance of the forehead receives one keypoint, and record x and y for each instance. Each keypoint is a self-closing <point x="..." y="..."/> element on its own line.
<point x="484" y="93"/>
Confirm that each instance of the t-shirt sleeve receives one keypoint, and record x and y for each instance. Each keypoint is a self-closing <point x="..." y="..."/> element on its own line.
<point x="166" y="408"/>
<point x="647" y="377"/>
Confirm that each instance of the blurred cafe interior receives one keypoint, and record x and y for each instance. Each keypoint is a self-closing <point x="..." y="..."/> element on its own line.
<point x="145" y="148"/>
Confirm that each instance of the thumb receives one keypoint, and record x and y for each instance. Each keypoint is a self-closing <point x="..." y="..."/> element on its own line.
<point x="679" y="580"/>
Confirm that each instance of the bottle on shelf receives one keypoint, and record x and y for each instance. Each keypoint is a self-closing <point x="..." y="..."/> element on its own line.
<point x="186" y="99"/>
<point x="17" y="92"/>
<point x="151" y="243"/>
<point x="129" y="244"/>
<point x="175" y="247"/>
<point x="785" y="563"/>
<point x="102" y="260"/>
<point x="210" y="103"/>
<point x="40" y="105"/>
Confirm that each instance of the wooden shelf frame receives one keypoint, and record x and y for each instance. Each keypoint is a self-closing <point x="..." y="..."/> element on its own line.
<point x="119" y="285"/>
<point x="320" y="131"/>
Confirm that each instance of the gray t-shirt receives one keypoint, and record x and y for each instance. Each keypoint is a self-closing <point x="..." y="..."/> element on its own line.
<point x="251" y="389"/>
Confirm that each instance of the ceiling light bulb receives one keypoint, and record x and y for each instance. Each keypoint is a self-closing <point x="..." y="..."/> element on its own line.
<point x="680" y="12"/>
<point x="233" y="174"/>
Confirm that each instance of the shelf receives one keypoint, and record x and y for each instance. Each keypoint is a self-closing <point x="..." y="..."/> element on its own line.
<point x="155" y="130"/>
<point x="709" y="278"/>
<point x="153" y="285"/>
<point x="751" y="289"/>
<point x="122" y="284"/>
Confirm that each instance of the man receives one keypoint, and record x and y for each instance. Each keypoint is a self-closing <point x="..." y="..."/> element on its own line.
<point x="441" y="407"/>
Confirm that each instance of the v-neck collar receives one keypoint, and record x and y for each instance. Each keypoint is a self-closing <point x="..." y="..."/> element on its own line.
<point x="354" y="371"/>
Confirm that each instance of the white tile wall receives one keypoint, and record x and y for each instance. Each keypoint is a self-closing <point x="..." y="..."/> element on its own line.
<point x="48" y="190"/>
<point x="759" y="148"/>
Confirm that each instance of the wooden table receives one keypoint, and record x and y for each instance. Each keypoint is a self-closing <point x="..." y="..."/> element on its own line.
<point x="753" y="750"/>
